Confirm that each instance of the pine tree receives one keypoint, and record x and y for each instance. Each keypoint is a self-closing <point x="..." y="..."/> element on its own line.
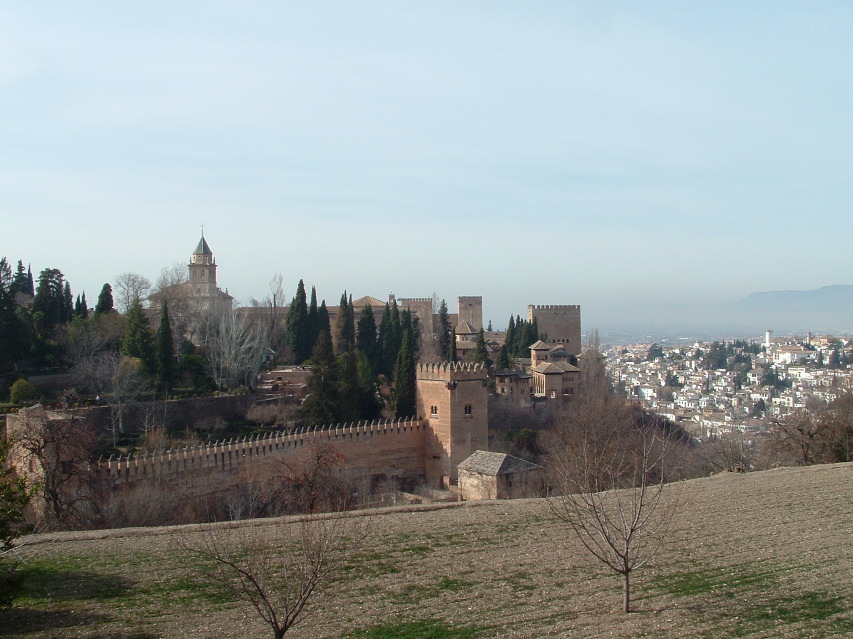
<point x="405" y="380"/>
<point x="297" y="325"/>
<point x="165" y="351"/>
<point x="105" y="300"/>
<point x="49" y="302"/>
<point x="320" y="407"/>
<point x="137" y="340"/>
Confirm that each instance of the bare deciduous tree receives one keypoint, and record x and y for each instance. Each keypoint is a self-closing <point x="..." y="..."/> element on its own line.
<point x="236" y="350"/>
<point x="56" y="452"/>
<point x="129" y="287"/>
<point x="279" y="567"/>
<point x="609" y="482"/>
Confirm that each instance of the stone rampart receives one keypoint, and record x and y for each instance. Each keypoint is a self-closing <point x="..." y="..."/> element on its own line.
<point x="381" y="447"/>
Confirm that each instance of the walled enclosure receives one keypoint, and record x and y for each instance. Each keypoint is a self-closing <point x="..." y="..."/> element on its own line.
<point x="451" y="424"/>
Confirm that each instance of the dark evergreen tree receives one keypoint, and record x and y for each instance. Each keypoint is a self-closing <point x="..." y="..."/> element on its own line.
<point x="137" y="340"/>
<point x="489" y="327"/>
<point x="503" y="362"/>
<point x="510" y="338"/>
<point x="21" y="281"/>
<point x="320" y="406"/>
<point x="105" y="300"/>
<point x="405" y="379"/>
<point x="165" y="351"/>
<point x="15" y="334"/>
<point x="83" y="311"/>
<point x="323" y="322"/>
<point x="345" y="325"/>
<point x="297" y="326"/>
<point x="444" y="330"/>
<point x="480" y="354"/>
<point x="381" y="341"/>
<point x="369" y="402"/>
<point x="392" y="339"/>
<point x="451" y="347"/>
<point x="348" y="390"/>
<point x="67" y="311"/>
<point x="365" y="338"/>
<point x="49" y="304"/>
<point x="313" y="319"/>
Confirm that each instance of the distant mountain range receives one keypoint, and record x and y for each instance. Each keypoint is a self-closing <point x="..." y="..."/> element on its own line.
<point x="827" y="309"/>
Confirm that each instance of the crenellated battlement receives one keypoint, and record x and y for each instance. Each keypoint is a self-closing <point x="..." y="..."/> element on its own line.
<point x="404" y="300"/>
<point x="451" y="371"/>
<point x="229" y="455"/>
<point x="554" y="307"/>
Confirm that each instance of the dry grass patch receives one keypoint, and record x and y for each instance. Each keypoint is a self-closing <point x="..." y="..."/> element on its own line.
<point x="757" y="555"/>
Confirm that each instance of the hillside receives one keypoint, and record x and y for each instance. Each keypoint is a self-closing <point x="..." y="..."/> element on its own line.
<point x="759" y="555"/>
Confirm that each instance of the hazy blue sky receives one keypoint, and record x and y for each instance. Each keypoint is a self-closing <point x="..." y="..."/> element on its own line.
<point x="593" y="153"/>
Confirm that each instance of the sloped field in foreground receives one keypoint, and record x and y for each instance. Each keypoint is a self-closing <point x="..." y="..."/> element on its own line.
<point x="760" y="555"/>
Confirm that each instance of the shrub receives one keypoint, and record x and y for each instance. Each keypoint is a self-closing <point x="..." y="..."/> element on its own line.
<point x="22" y="392"/>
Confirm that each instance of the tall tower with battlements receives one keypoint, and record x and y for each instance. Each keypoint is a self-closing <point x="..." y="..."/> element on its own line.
<point x="453" y="399"/>
<point x="471" y="310"/>
<point x="560" y="323"/>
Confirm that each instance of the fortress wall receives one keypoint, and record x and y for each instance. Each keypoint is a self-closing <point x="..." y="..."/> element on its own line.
<point x="561" y="323"/>
<point x="383" y="447"/>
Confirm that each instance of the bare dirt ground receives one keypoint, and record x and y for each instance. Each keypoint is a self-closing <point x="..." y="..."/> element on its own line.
<point x="765" y="554"/>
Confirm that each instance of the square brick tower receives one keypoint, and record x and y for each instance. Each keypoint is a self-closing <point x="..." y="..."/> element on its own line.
<point x="453" y="400"/>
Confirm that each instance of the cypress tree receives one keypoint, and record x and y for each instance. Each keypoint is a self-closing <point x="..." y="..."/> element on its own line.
<point x="503" y="363"/>
<point x="393" y="339"/>
<point x="405" y="380"/>
<point x="320" y="407"/>
<point x="509" y="339"/>
<point x="83" y="313"/>
<point x="105" y="300"/>
<point x="297" y="325"/>
<point x="323" y="323"/>
<point x="451" y="347"/>
<point x="381" y="341"/>
<point x="369" y="403"/>
<point x="137" y="340"/>
<point x="345" y="325"/>
<point x="67" y="311"/>
<point x="365" y="338"/>
<point x="444" y="329"/>
<point x="313" y="319"/>
<point x="165" y="351"/>
<point x="348" y="391"/>
<point x="480" y="354"/>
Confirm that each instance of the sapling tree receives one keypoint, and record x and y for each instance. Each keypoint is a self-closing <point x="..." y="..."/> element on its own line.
<point x="610" y="482"/>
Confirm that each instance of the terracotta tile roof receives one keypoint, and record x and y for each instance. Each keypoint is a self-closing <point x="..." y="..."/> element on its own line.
<point x="489" y="463"/>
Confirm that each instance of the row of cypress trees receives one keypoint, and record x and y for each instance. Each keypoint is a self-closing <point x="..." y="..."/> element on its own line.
<point x="349" y="368"/>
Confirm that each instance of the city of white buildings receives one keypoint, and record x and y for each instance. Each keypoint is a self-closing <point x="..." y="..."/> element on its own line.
<point x="716" y="389"/>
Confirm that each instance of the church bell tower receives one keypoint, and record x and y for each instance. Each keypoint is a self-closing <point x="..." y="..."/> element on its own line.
<point x="202" y="268"/>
